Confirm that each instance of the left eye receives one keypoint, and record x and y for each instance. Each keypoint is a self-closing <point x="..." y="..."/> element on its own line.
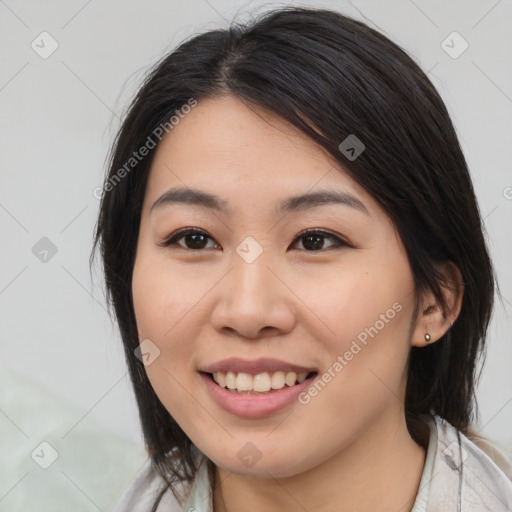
<point x="195" y="239"/>
<point x="315" y="237"/>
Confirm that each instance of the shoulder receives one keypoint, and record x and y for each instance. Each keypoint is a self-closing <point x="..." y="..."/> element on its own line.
<point x="461" y="465"/>
<point x="496" y="451"/>
<point x="145" y="488"/>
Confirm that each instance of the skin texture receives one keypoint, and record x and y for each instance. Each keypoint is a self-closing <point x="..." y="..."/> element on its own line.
<point x="349" y="447"/>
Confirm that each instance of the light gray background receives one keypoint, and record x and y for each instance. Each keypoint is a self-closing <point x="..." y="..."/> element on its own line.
<point x="59" y="115"/>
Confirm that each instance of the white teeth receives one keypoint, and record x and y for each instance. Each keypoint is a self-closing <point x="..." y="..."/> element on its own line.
<point x="243" y="382"/>
<point x="220" y="378"/>
<point x="230" y="380"/>
<point x="291" y="378"/>
<point x="262" y="382"/>
<point x="301" y="377"/>
<point x="278" y="380"/>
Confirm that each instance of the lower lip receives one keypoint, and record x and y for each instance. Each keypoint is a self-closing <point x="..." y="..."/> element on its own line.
<point x="254" y="406"/>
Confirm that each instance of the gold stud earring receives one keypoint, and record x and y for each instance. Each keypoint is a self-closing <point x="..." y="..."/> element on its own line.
<point x="427" y="337"/>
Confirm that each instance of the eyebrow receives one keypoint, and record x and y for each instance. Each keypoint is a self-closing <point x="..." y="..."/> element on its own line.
<point x="191" y="196"/>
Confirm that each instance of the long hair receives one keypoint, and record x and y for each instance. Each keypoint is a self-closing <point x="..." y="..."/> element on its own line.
<point x="332" y="77"/>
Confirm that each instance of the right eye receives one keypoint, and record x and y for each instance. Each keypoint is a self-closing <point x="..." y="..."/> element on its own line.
<point x="195" y="239"/>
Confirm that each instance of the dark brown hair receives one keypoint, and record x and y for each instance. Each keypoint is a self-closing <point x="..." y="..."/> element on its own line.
<point x="330" y="76"/>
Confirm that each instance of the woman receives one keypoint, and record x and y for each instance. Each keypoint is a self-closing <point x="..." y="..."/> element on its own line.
<point x="294" y="252"/>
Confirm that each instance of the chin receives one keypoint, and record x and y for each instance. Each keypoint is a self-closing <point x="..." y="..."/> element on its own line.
<point x="263" y="462"/>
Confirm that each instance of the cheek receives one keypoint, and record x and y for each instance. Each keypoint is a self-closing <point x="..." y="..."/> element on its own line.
<point x="367" y="311"/>
<point x="163" y="302"/>
<point x="354" y="301"/>
<point x="158" y="310"/>
<point x="162" y="296"/>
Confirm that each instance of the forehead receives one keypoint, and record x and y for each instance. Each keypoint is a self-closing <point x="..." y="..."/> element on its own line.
<point x="240" y="151"/>
<point x="225" y="129"/>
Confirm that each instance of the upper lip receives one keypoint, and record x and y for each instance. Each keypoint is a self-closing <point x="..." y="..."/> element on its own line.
<point x="254" y="367"/>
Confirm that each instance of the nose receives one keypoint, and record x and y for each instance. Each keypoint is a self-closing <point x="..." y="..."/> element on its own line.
<point x="253" y="300"/>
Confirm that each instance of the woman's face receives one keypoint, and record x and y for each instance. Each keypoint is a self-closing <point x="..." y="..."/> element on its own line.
<point x="252" y="285"/>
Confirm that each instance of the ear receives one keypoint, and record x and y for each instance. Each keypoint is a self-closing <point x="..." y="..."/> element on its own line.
<point x="431" y="318"/>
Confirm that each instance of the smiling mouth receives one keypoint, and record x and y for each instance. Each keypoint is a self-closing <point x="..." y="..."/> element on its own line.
<point x="259" y="384"/>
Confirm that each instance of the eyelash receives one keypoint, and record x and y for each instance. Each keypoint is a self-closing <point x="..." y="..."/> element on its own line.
<point x="173" y="239"/>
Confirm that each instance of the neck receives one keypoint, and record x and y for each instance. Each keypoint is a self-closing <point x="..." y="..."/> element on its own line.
<point x="381" y="470"/>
